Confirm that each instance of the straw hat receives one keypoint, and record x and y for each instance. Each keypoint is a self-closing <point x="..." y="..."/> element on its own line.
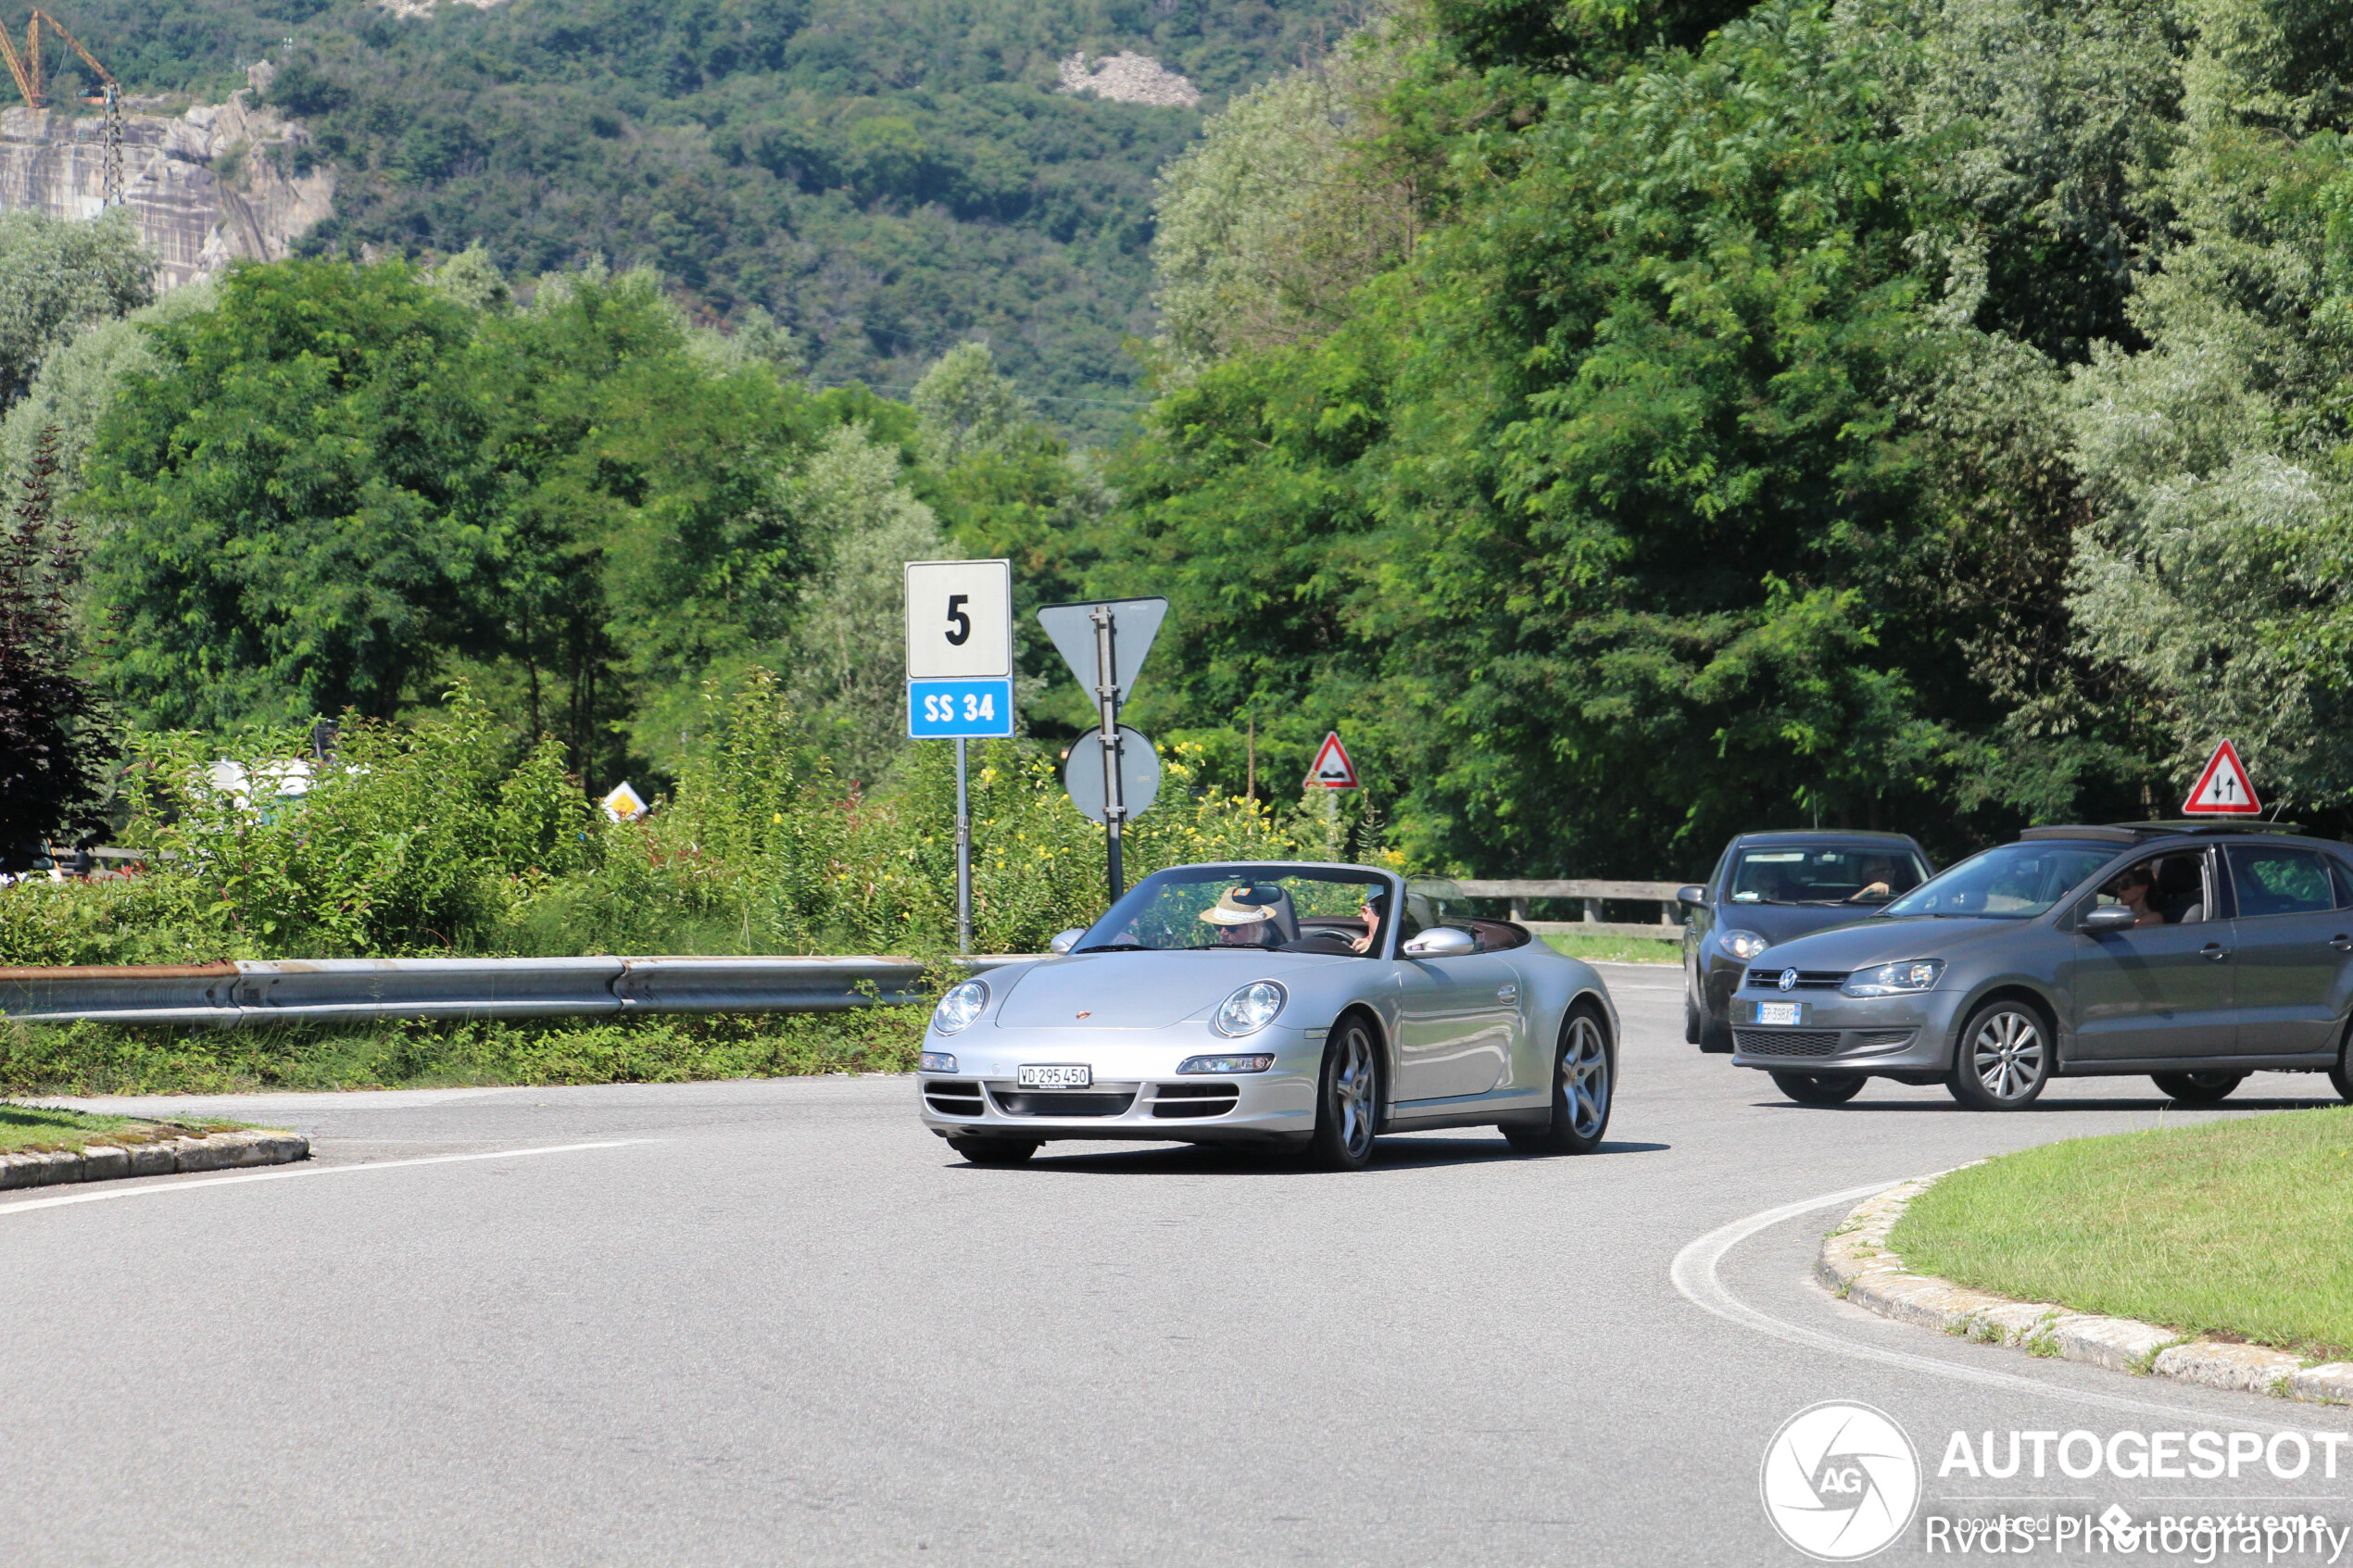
<point x="1245" y="905"/>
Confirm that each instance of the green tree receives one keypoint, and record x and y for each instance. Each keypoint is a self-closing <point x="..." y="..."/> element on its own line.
<point x="57" y="277"/>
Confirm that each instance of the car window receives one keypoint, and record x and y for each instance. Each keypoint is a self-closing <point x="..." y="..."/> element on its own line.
<point x="2273" y="880"/>
<point x="1822" y="875"/>
<point x="2163" y="890"/>
<point x="2013" y="881"/>
<point x="1248" y="907"/>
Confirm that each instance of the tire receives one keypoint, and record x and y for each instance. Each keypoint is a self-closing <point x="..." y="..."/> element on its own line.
<point x="1715" y="1039"/>
<point x="1584" y="1085"/>
<point x="1347" y="1098"/>
<point x="1818" y="1089"/>
<point x="2198" y="1088"/>
<point x="1692" y="1020"/>
<point x="993" y="1151"/>
<point x="2004" y="1060"/>
<point x="2342" y="1073"/>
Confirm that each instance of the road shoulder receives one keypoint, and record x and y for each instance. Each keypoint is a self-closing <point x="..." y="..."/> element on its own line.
<point x="164" y="1157"/>
<point x="1857" y="1264"/>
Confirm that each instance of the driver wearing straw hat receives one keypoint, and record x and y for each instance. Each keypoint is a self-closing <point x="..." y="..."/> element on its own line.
<point x="1249" y="916"/>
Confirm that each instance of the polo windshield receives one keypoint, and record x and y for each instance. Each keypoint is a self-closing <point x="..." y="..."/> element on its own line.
<point x="1249" y="909"/>
<point x="2015" y="882"/>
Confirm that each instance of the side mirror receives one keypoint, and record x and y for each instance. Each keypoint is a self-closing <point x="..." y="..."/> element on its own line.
<point x="2115" y="916"/>
<point x="1442" y="942"/>
<point x="1065" y="940"/>
<point x="1692" y="898"/>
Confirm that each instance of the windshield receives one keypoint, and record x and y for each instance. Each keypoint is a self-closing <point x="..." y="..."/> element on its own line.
<point x="1793" y="874"/>
<point x="1248" y="908"/>
<point x="2015" y="882"/>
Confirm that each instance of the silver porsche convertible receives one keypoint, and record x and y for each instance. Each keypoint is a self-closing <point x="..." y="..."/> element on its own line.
<point x="1310" y="1006"/>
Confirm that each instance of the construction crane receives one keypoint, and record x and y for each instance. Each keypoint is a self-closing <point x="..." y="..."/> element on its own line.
<point x="25" y="69"/>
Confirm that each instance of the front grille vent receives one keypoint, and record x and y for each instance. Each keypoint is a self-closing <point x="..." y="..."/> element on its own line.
<point x="1785" y="1042"/>
<point x="953" y="1098"/>
<point x="1061" y="1102"/>
<point x="1192" y="1101"/>
<point x="1807" y="979"/>
<point x="1879" y="1039"/>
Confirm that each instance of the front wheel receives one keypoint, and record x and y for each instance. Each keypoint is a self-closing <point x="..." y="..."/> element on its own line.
<point x="1819" y="1088"/>
<point x="2198" y="1088"/>
<point x="2005" y="1057"/>
<point x="1582" y="1093"/>
<point x="2342" y="1073"/>
<point x="1347" y="1098"/>
<point x="993" y="1151"/>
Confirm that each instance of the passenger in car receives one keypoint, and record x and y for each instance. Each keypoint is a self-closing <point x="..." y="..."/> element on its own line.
<point x="1253" y="916"/>
<point x="2132" y="889"/>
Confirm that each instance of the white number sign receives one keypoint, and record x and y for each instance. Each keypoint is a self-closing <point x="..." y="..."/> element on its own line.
<point x="960" y="620"/>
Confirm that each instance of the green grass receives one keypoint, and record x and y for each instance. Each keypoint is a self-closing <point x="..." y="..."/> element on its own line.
<point x="2234" y="1229"/>
<point x="87" y="1058"/>
<point x="1618" y="949"/>
<point x="39" y="1129"/>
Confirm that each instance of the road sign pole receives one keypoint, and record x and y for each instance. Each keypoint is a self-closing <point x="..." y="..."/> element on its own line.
<point x="963" y="858"/>
<point x="1107" y="707"/>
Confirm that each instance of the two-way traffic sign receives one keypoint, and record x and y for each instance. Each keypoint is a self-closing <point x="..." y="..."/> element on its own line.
<point x="2224" y="790"/>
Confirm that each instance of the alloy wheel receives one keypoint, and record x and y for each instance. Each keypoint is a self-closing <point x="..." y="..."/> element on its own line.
<point x="1584" y="1079"/>
<point x="1353" y="1093"/>
<point x="2008" y="1056"/>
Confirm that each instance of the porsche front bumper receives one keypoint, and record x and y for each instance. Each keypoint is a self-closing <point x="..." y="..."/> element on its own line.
<point x="1137" y="1092"/>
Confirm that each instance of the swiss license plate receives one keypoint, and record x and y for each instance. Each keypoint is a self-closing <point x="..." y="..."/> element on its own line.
<point x="1778" y="1012"/>
<point x="1057" y="1077"/>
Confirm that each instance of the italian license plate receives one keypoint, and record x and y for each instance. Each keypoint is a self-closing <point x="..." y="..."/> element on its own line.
<point x="1057" y="1077"/>
<point x="1778" y="1012"/>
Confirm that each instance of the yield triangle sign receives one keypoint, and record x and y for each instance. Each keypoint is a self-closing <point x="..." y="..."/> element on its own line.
<point x="1332" y="770"/>
<point x="2222" y="789"/>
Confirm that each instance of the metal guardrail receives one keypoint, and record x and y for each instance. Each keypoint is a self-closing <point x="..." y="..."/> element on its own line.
<point x="243" y="994"/>
<point x="1592" y="892"/>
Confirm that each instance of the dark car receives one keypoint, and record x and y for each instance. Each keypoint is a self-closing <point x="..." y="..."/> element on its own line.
<point x="2192" y="954"/>
<point x="1769" y="888"/>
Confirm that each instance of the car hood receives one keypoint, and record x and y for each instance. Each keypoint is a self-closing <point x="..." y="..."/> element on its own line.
<point x="1851" y="948"/>
<point x="1786" y="923"/>
<point x="1142" y="990"/>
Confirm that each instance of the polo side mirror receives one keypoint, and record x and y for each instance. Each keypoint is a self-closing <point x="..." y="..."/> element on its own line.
<point x="1692" y="898"/>
<point x="2115" y="916"/>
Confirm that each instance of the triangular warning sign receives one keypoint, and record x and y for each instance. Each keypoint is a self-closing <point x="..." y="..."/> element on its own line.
<point x="1332" y="770"/>
<point x="2224" y="789"/>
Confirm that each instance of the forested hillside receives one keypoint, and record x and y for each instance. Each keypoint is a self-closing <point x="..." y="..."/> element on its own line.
<point x="886" y="178"/>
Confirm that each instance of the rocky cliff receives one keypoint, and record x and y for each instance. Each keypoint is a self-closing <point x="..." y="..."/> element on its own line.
<point x="219" y="182"/>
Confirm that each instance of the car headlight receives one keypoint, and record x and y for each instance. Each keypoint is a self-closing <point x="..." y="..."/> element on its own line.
<point x="1251" y="1008"/>
<point x="936" y="1061"/>
<point x="1894" y="979"/>
<point x="960" y="1006"/>
<point x="1742" y="944"/>
<point x="1224" y="1064"/>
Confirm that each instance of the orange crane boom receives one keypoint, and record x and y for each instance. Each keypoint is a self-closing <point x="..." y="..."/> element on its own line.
<point x="25" y="69"/>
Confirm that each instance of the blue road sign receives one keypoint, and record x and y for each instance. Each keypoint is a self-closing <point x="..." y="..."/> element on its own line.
<point x="945" y="710"/>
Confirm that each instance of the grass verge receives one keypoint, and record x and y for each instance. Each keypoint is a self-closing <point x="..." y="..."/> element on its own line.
<point x="2231" y="1229"/>
<point x="88" y="1058"/>
<point x="40" y="1129"/>
<point x="1618" y="949"/>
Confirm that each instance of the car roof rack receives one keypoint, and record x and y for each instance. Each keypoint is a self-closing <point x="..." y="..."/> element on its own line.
<point x="2135" y="832"/>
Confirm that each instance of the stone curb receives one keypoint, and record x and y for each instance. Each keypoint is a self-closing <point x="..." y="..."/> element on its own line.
<point x="220" y="1151"/>
<point x="1855" y="1263"/>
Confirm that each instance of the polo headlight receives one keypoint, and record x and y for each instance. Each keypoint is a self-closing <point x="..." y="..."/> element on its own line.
<point x="959" y="1007"/>
<point x="1251" y="1008"/>
<point x="1894" y="979"/>
<point x="1742" y="944"/>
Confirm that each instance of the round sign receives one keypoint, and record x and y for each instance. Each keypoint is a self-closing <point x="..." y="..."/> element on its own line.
<point x="1139" y="773"/>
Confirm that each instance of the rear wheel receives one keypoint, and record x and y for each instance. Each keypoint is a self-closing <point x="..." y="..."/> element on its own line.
<point x="2342" y="1073"/>
<point x="1347" y="1098"/>
<point x="2198" y="1088"/>
<point x="1819" y="1088"/>
<point x="993" y="1151"/>
<point x="2005" y="1057"/>
<point x="1581" y="1092"/>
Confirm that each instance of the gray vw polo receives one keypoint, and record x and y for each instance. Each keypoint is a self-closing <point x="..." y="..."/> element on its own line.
<point x="2192" y="954"/>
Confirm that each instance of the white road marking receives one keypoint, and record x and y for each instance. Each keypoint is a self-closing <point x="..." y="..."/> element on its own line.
<point x="1694" y="1275"/>
<point x="108" y="1191"/>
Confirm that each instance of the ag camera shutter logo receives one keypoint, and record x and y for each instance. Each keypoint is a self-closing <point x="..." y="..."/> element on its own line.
<point x="1840" y="1482"/>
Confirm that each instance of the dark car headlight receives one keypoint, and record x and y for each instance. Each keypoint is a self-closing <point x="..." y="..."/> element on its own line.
<point x="1894" y="979"/>
<point x="1742" y="945"/>
<point x="959" y="1007"/>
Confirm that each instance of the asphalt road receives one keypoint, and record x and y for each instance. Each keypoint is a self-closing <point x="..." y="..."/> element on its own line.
<point x="777" y="1322"/>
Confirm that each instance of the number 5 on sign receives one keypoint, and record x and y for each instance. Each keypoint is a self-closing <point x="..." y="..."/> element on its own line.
<point x="960" y="648"/>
